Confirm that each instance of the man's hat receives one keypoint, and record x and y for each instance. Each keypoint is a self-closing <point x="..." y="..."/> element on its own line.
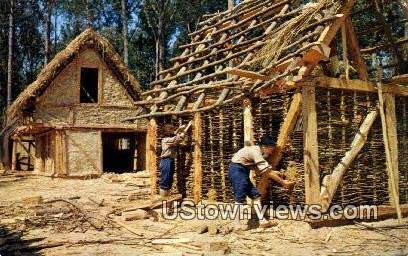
<point x="267" y="140"/>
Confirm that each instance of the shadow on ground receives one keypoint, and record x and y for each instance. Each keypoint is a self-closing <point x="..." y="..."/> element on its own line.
<point x="12" y="244"/>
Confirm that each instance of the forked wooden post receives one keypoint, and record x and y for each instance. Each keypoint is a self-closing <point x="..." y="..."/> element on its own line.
<point x="197" y="157"/>
<point x="151" y="154"/>
<point x="332" y="181"/>
<point x="310" y="147"/>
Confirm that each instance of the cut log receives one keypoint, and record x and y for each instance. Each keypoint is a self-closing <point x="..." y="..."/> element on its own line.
<point x="383" y="212"/>
<point x="138" y="214"/>
<point x="156" y="204"/>
<point x="171" y="241"/>
<point x="52" y="210"/>
<point x="32" y="200"/>
<point x="332" y="181"/>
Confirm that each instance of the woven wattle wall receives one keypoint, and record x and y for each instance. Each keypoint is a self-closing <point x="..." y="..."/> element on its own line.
<point x="222" y="136"/>
<point x="401" y="106"/>
<point x="339" y="115"/>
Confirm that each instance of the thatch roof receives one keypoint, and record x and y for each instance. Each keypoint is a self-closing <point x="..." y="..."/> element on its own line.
<point x="87" y="39"/>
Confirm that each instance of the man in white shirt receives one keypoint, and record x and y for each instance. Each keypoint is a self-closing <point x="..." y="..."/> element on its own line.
<point x="247" y="158"/>
<point x="171" y="140"/>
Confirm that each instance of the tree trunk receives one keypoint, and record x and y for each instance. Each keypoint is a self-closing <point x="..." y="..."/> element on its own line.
<point x="230" y="4"/>
<point x="161" y="55"/>
<point x="88" y="14"/>
<point x="157" y="69"/>
<point x="55" y="31"/>
<point x="47" y="31"/>
<point x="10" y="52"/>
<point x="404" y="7"/>
<point x="125" y="32"/>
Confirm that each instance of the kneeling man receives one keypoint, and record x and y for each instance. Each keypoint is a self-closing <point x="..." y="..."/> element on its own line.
<point x="242" y="162"/>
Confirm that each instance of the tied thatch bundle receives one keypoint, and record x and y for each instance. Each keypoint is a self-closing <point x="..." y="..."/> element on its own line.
<point x="285" y="34"/>
<point x="291" y="172"/>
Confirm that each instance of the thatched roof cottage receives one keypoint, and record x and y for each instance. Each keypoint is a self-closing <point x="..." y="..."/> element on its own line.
<point x="68" y="121"/>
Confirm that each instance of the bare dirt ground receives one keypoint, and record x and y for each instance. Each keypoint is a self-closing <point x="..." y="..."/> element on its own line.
<point x="31" y="225"/>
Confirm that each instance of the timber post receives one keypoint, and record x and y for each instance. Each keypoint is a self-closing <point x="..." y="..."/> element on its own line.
<point x="310" y="147"/>
<point x="197" y="157"/>
<point x="391" y="122"/>
<point x="249" y="132"/>
<point x="14" y="156"/>
<point x="151" y="154"/>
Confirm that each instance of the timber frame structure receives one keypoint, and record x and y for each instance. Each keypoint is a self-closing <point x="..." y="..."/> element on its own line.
<point x="219" y="82"/>
<point x="67" y="123"/>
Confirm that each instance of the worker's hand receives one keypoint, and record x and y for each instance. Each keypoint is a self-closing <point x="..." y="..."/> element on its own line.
<point x="280" y="174"/>
<point x="288" y="184"/>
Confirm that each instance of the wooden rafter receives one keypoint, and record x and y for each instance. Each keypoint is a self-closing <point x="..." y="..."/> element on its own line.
<point x="203" y="70"/>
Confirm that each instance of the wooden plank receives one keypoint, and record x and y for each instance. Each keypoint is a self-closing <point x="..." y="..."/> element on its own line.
<point x="325" y="38"/>
<point x="316" y="54"/>
<point x="197" y="157"/>
<point x="358" y="85"/>
<point x="151" y="158"/>
<point x="393" y="192"/>
<point x="383" y="212"/>
<point x="14" y="156"/>
<point x="354" y="48"/>
<point x="287" y="127"/>
<point x="64" y="152"/>
<point x="332" y="181"/>
<point x="330" y="32"/>
<point x="345" y="51"/>
<point x="247" y="74"/>
<point x="401" y="79"/>
<point x="391" y="123"/>
<point x="310" y="147"/>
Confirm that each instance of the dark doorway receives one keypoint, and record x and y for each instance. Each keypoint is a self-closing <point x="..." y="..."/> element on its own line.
<point x="123" y="151"/>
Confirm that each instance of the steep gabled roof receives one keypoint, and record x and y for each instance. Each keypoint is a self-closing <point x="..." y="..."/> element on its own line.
<point x="234" y="39"/>
<point x="260" y="45"/>
<point x="87" y="39"/>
